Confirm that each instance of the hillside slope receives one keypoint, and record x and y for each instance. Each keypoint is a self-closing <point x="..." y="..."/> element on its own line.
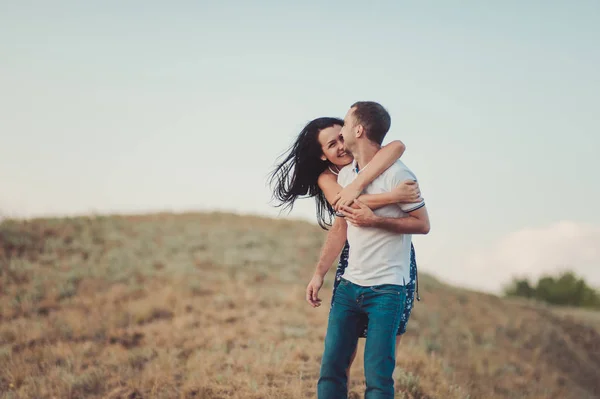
<point x="212" y="306"/>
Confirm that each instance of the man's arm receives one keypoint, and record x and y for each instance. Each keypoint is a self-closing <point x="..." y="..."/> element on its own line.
<point x="416" y="223"/>
<point x="334" y="243"/>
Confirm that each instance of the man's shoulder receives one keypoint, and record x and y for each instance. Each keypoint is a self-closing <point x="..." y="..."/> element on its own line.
<point x="399" y="170"/>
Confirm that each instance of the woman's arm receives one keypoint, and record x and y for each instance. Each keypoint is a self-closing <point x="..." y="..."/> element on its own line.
<point x="384" y="158"/>
<point x="406" y="192"/>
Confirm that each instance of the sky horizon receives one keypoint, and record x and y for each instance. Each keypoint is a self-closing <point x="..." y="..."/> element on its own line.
<point x="144" y="106"/>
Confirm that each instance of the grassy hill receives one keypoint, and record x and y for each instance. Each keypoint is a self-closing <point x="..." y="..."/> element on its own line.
<point x="212" y="306"/>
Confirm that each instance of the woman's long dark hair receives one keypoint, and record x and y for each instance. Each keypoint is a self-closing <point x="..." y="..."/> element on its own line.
<point x="296" y="176"/>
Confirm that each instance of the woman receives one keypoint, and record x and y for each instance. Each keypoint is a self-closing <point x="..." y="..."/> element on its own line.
<point x="310" y="170"/>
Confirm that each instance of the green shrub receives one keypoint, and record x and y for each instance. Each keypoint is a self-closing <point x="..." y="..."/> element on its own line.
<point x="566" y="289"/>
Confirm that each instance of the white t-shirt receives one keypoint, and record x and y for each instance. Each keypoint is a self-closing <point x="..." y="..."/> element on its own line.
<point x="378" y="256"/>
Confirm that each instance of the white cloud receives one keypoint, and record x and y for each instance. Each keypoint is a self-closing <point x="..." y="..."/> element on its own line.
<point x="534" y="252"/>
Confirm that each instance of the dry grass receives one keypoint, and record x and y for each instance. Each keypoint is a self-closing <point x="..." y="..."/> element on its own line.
<point x="211" y="306"/>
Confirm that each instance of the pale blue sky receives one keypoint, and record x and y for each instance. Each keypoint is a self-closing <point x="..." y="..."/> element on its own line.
<point x="140" y="106"/>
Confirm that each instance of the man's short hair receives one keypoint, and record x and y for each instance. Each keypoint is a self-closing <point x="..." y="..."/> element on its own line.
<point x="374" y="118"/>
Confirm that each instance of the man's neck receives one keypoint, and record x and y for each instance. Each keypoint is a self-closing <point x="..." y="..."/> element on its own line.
<point x="364" y="153"/>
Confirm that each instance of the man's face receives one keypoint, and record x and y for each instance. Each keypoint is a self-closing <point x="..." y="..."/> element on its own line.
<point x="348" y="132"/>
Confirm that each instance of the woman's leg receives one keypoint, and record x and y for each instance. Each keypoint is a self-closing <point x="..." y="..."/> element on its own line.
<point x="409" y="299"/>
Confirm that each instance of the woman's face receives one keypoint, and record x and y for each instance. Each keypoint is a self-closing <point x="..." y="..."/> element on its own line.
<point x="332" y="145"/>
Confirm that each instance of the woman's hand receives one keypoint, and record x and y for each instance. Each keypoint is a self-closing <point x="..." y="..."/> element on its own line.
<point x="407" y="192"/>
<point x="347" y="196"/>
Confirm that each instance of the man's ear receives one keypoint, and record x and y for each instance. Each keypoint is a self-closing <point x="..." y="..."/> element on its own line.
<point x="360" y="130"/>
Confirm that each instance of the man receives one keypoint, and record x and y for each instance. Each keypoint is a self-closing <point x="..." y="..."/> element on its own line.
<point x="374" y="283"/>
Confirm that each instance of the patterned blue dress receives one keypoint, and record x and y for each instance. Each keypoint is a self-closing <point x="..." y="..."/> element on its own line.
<point x="412" y="287"/>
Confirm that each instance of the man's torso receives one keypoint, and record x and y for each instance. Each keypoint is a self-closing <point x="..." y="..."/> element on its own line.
<point x="378" y="256"/>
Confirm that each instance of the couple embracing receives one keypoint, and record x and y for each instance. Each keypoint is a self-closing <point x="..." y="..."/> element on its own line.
<point x="371" y="203"/>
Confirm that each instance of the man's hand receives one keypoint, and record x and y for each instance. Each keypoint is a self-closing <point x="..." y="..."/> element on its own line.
<point x="361" y="217"/>
<point x="347" y="196"/>
<point x="407" y="192"/>
<point x="312" y="290"/>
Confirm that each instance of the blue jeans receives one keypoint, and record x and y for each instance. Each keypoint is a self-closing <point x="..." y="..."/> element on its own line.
<point x="411" y="285"/>
<point x="383" y="306"/>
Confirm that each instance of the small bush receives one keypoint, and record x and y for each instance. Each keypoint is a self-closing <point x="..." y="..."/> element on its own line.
<point x="566" y="289"/>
